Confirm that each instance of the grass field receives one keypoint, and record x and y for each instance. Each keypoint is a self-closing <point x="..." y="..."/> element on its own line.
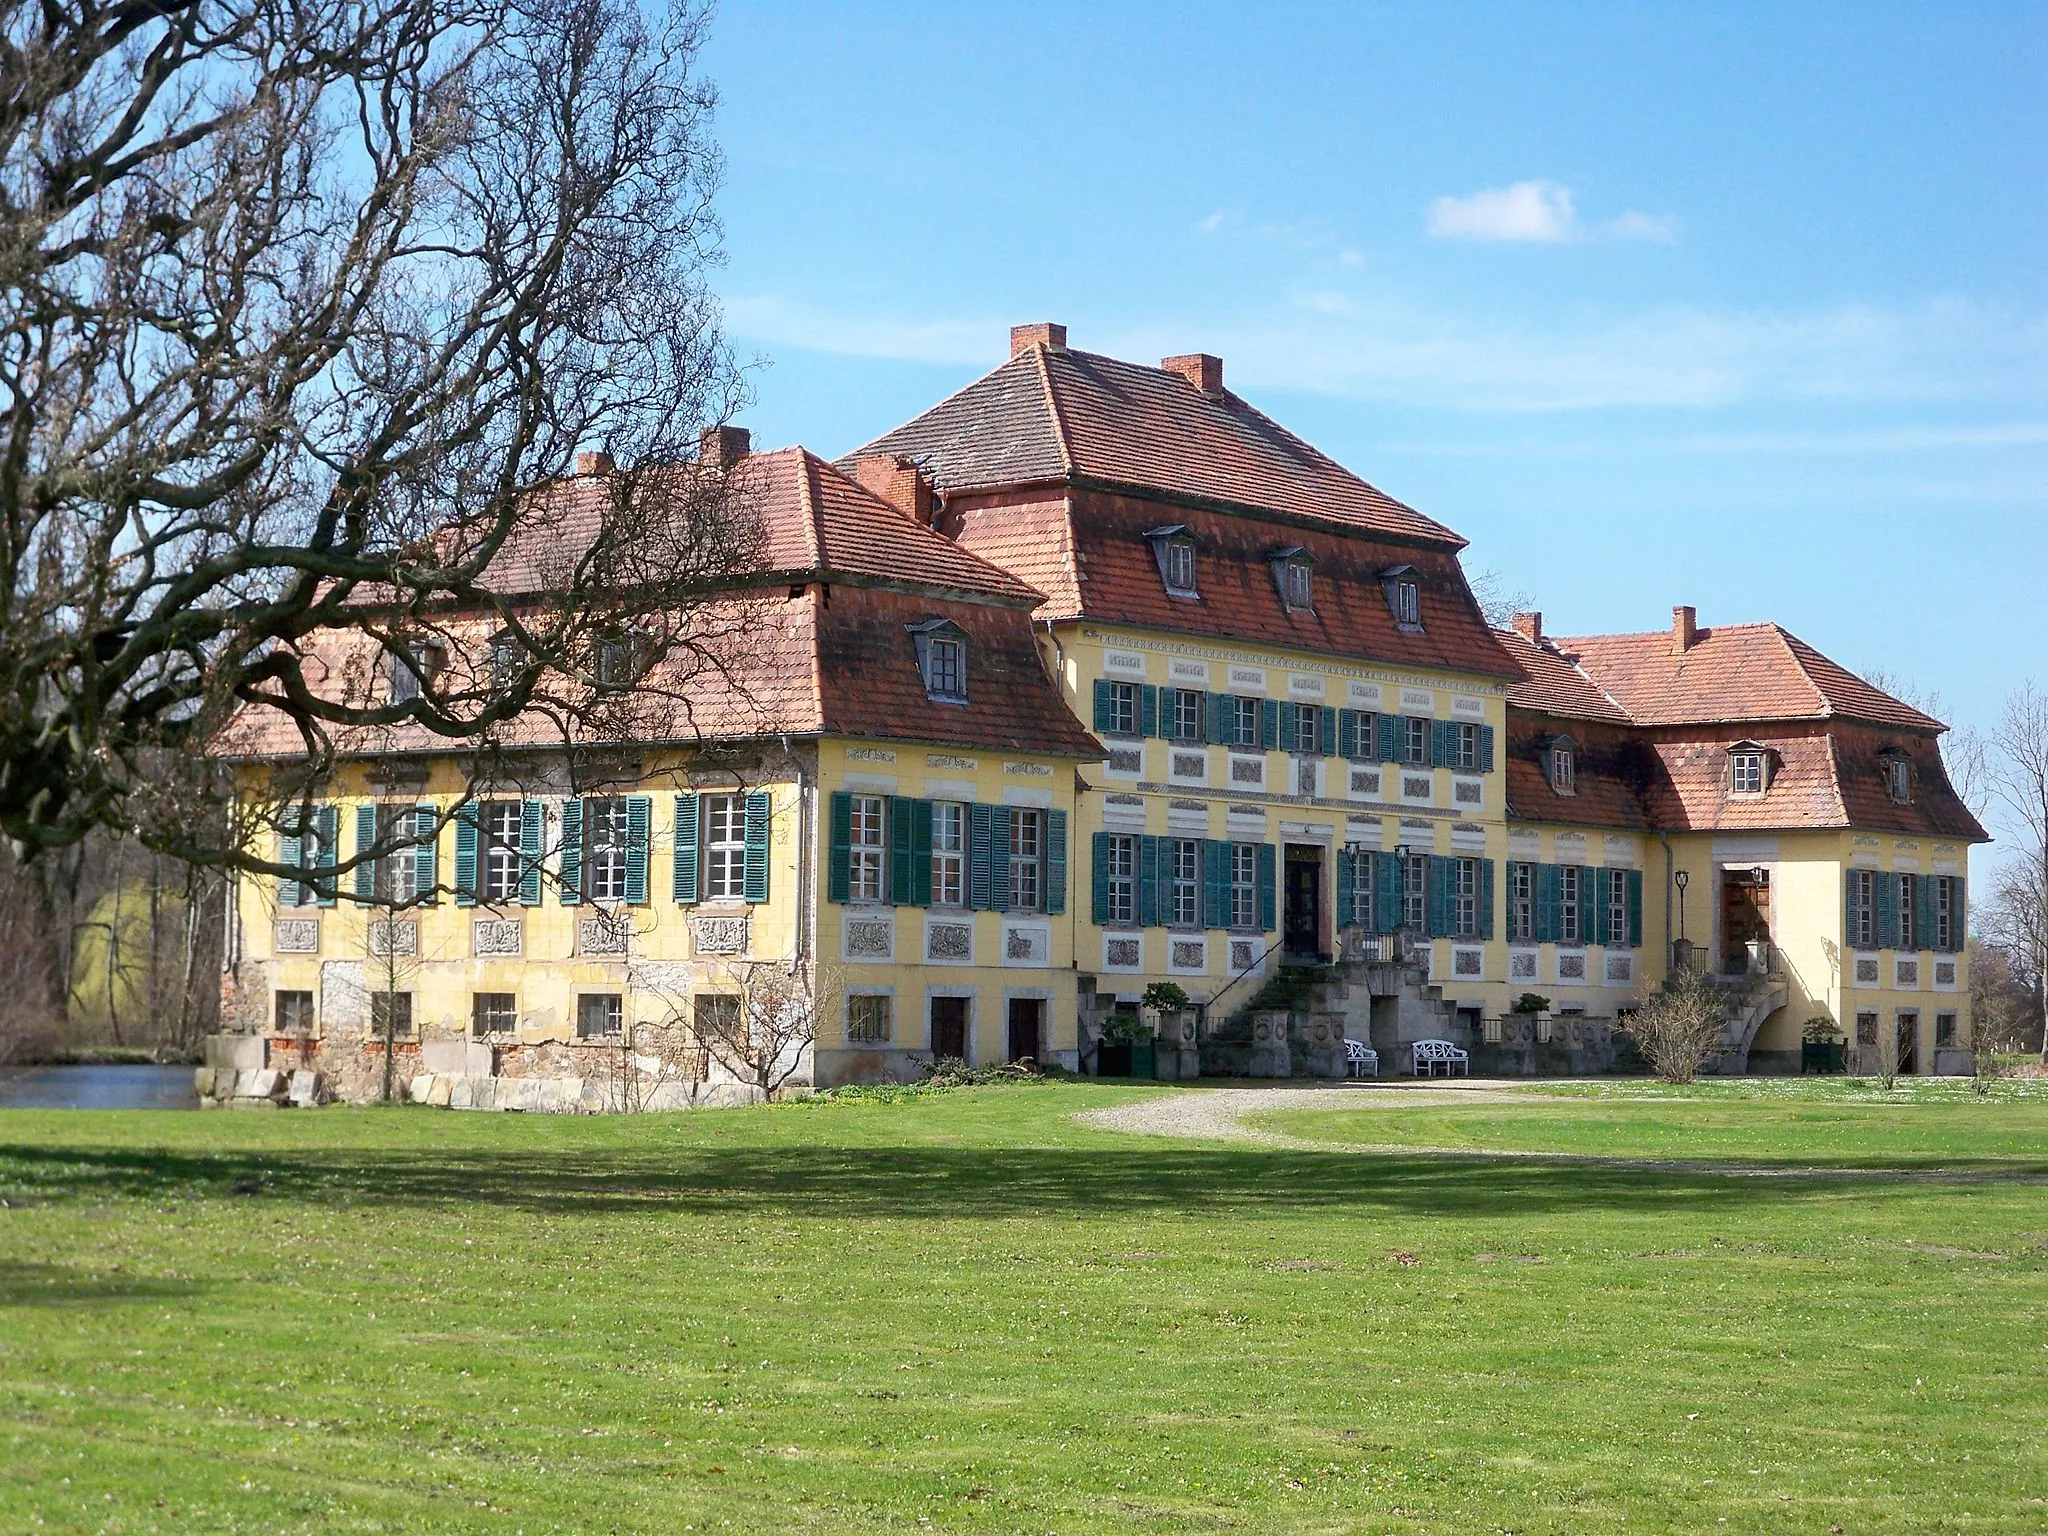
<point x="967" y="1313"/>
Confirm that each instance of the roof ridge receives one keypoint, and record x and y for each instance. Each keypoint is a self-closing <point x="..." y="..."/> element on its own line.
<point x="1039" y="353"/>
<point x="1793" y="645"/>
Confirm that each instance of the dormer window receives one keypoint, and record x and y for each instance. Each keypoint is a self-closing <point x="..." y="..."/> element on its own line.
<point x="1291" y="574"/>
<point x="1404" y="596"/>
<point x="507" y="657"/>
<point x="410" y="668"/>
<point x="1749" y="769"/>
<point x="1174" y="551"/>
<point x="617" y="661"/>
<point x="942" y="659"/>
<point x="1563" y="768"/>
<point x="1898" y="776"/>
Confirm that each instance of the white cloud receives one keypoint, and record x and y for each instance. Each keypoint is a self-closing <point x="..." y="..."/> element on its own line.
<point x="1660" y="227"/>
<point x="1528" y="210"/>
<point x="1214" y="222"/>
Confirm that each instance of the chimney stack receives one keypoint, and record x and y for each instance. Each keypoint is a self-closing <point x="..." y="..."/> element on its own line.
<point x="593" y="462"/>
<point x="723" y="447"/>
<point x="1684" y="629"/>
<point x="897" y="481"/>
<point x="1530" y="627"/>
<point x="1199" y="369"/>
<point x="1045" y="334"/>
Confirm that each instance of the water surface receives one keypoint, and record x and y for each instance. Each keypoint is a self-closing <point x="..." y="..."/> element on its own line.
<point x="97" y="1088"/>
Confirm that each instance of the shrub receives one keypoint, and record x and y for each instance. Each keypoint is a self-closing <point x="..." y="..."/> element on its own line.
<point x="1679" y="1027"/>
<point x="1166" y="996"/>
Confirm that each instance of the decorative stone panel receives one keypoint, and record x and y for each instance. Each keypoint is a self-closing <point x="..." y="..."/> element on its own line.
<point x="498" y="936"/>
<point x="1907" y="973"/>
<point x="1248" y="772"/>
<point x="949" y="943"/>
<point x="388" y="937"/>
<point x="1123" y="952"/>
<point x="1571" y="965"/>
<point x="1867" y="974"/>
<point x="1620" y="969"/>
<point x="1467" y="791"/>
<point x="870" y="938"/>
<point x="1243" y="952"/>
<point x="1307" y="778"/>
<point x="1365" y="782"/>
<point x="1468" y="964"/>
<point x="296" y="936"/>
<point x="603" y="933"/>
<point x="1187" y="955"/>
<point x="1417" y="786"/>
<point x="1129" y="760"/>
<point x="730" y="934"/>
<point x="1521" y="965"/>
<point x="1944" y="974"/>
<point x="1027" y="944"/>
<point x="1191" y="767"/>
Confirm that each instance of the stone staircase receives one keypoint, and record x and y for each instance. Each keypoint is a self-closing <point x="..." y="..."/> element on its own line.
<point x="1296" y="1024"/>
<point x="1749" y="1001"/>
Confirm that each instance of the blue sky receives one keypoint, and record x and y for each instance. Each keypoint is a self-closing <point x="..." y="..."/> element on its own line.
<point x="1737" y="306"/>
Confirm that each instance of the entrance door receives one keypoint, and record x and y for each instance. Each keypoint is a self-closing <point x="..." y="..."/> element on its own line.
<point x="1027" y="1027"/>
<point x="1302" y="924"/>
<point x="949" y="1028"/>
<point x="1745" y="916"/>
<point x="1909" y="1044"/>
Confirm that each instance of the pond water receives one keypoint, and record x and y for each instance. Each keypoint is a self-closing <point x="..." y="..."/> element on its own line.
<point x="97" y="1088"/>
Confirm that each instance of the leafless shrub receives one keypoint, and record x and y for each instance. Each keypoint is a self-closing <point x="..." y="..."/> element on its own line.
<point x="763" y="1022"/>
<point x="1678" y="1028"/>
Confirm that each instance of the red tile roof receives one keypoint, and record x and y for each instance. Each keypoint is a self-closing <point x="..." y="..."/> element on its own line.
<point x="1551" y="685"/>
<point x="1731" y="673"/>
<point x="1050" y="414"/>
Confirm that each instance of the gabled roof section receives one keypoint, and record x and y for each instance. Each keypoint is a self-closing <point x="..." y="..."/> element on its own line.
<point x="1553" y="686"/>
<point x="1729" y="674"/>
<point x="1053" y="414"/>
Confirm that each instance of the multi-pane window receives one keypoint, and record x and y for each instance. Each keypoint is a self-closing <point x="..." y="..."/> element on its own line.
<point x="507" y="657"/>
<point x="1121" y="855"/>
<point x="1244" y="885"/>
<point x="1866" y="1029"/>
<point x="1617" y="906"/>
<point x="867" y="1019"/>
<point x="397" y="871"/>
<point x="493" y="1013"/>
<point x="1571" y="926"/>
<point x="1564" y="770"/>
<point x="1415" y="892"/>
<point x="1899" y="776"/>
<point x="945" y="668"/>
<point x="1244" y="722"/>
<point x="1184" y="882"/>
<point x="725" y="847"/>
<point x="1299" y="590"/>
<point x="1465" y="745"/>
<point x="1365" y="741"/>
<point x="1945" y="913"/>
<point x="1521" y="902"/>
<point x="1027" y="856"/>
<point x="1465" y="898"/>
<point x="617" y="661"/>
<point x="866" y="848"/>
<point x="1944" y="1029"/>
<point x="1862" y="909"/>
<point x="498" y="832"/>
<point x="715" y="1016"/>
<point x="1180" y="566"/>
<point x="600" y="1015"/>
<point x="605" y="840"/>
<point x="1123" y="709"/>
<point x="391" y="1015"/>
<point x="1308" y="729"/>
<point x="295" y="1013"/>
<point x="1407" y="603"/>
<point x="1184" y="717"/>
<point x="408" y="668"/>
<point x="1415" y="741"/>
<point x="1364" y="897"/>
<point x="1909" y="917"/>
<point x="949" y="853"/>
<point x="1746" y="773"/>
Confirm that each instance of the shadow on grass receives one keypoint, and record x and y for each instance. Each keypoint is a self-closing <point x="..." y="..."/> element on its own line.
<point x="59" y="1285"/>
<point x="921" y="1183"/>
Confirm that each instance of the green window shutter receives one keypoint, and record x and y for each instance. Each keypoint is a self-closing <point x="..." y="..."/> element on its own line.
<point x="426" y="873"/>
<point x="980" y="833"/>
<point x="1549" y="903"/>
<point x="570" y="890"/>
<point x="754" y="871"/>
<point x="999" y="858"/>
<point x="1099" y="876"/>
<point x="1148" y="710"/>
<point x="1486" y="749"/>
<point x="1486" y="898"/>
<point x="1590" y="890"/>
<point x="902" y="851"/>
<point x="1392" y="737"/>
<point x="1887" y="910"/>
<point x="1269" y="724"/>
<point x="683" y="881"/>
<point x="465" y="855"/>
<point x="1635" y="909"/>
<point x="1601" y="928"/>
<point x="1437" y="900"/>
<point x="1219" y="717"/>
<point x="1389" y="904"/>
<point x="1102" y="704"/>
<point x="1215" y="884"/>
<point x="327" y="819"/>
<point x="1924" y="906"/>
<point x="639" y="818"/>
<point x="1148" y="882"/>
<point x="1958" y="892"/>
<point x="1347" y="733"/>
<point x="366" y="834"/>
<point x="1055" y="862"/>
<point x="1443" y="751"/>
<point x="290" y="847"/>
<point x="1290" y="725"/>
<point x="530" y="830"/>
<point x="1268" y="904"/>
<point x="1326" y="731"/>
<point x="1344" y="904"/>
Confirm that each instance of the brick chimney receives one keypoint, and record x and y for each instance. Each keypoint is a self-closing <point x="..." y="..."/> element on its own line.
<point x="1045" y="334"/>
<point x="593" y="462"/>
<point x="723" y="447"/>
<point x="1530" y="627"/>
<point x="1685" y="629"/>
<point x="1199" y="369"/>
<point x="897" y="481"/>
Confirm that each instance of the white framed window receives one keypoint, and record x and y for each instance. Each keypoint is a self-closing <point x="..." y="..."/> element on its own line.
<point x="1521" y="902"/>
<point x="1899" y="778"/>
<point x="1122" y="863"/>
<point x="1617" y="907"/>
<point x="600" y="1015"/>
<point x="1408" y="604"/>
<point x="945" y="668"/>
<point x="1909" y="916"/>
<point x="1123" y="709"/>
<point x="1465" y="746"/>
<point x="1415" y="893"/>
<point x="397" y="871"/>
<point x="1244" y="885"/>
<point x="1308" y="729"/>
<point x="1415" y="741"/>
<point x="1184" y="714"/>
<point x="867" y="1019"/>
<point x="867" y="846"/>
<point x="1027" y="853"/>
<point x="498" y="832"/>
<point x="1180" y="566"/>
<point x="1465" y="898"/>
<point x="605" y="841"/>
<point x="1571" y="926"/>
<point x="949" y="853"/>
<point x="725" y="847"/>
<point x="1862" y="909"/>
<point x="1244" y="722"/>
<point x="1364" y="898"/>
<point x="1184" y="882"/>
<point x="1300" y="588"/>
<point x="1365" y="726"/>
<point x="1746" y="773"/>
<point x="1945" y="937"/>
<point x="1563" y="769"/>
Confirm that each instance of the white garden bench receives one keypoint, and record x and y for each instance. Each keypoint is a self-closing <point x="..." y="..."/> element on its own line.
<point x="1432" y="1054"/>
<point x="1361" y="1059"/>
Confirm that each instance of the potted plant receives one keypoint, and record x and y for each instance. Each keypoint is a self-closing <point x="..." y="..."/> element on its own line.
<point x="1822" y="1046"/>
<point x="1121" y="1031"/>
<point x="1165" y="1001"/>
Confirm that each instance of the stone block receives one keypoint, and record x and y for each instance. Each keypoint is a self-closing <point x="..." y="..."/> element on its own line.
<point x="262" y="1085"/>
<point x="305" y="1089"/>
<point x="420" y="1088"/>
<point x="455" y="1057"/>
<point x="202" y="1081"/>
<point x="234" y="1052"/>
<point x="441" y="1095"/>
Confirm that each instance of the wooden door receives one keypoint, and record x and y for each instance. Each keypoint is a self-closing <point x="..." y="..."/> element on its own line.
<point x="1745" y="915"/>
<point x="1027" y="1019"/>
<point x="1302" y="924"/>
<point x="949" y="1028"/>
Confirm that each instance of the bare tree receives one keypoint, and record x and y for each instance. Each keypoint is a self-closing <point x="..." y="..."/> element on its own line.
<point x="2016" y="773"/>
<point x="1963" y="752"/>
<point x="1498" y="602"/>
<point x="306" y="309"/>
<point x="1679" y="1027"/>
<point x="760" y="1022"/>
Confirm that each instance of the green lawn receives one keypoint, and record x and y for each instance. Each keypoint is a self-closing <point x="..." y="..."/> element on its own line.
<point x="966" y="1313"/>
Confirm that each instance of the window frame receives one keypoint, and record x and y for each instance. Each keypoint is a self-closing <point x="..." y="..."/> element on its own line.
<point x="1415" y="733"/>
<point x="1184" y="714"/>
<point x="878" y="1031"/>
<point x="1308" y="731"/>
<point x="1465" y="898"/>
<point x="1521" y="901"/>
<point x="1184" y="882"/>
<point x="1176" y="554"/>
<point x="488" y="1019"/>
<point x="1466" y="751"/>
<point x="381" y="1002"/>
<point x="945" y="669"/>
<point x="1945" y="914"/>
<point x="1617" y="907"/>
<point x="1027" y="858"/>
<point x="1408" y="603"/>
<point x="1947" y="1028"/>
<point x="1744" y="767"/>
<point x="607" y="842"/>
<point x="706" y="1003"/>
<point x="1899" y="779"/>
<point x="867" y="857"/>
<point x="1415" y="892"/>
<point x="1123" y="706"/>
<point x="1863" y="894"/>
<point x="1563" y="769"/>
<point x="1244" y="721"/>
<point x="611" y="1026"/>
<point x="289" y="1017"/>
<point x="949" y="853"/>
<point x="1298" y="585"/>
<point x="501" y="863"/>
<point x="397" y="826"/>
<point x="1909" y="934"/>
<point x="1571" y="899"/>
<point x="1244" y="887"/>
<point x="725" y="857"/>
<point x="1120" y="865"/>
